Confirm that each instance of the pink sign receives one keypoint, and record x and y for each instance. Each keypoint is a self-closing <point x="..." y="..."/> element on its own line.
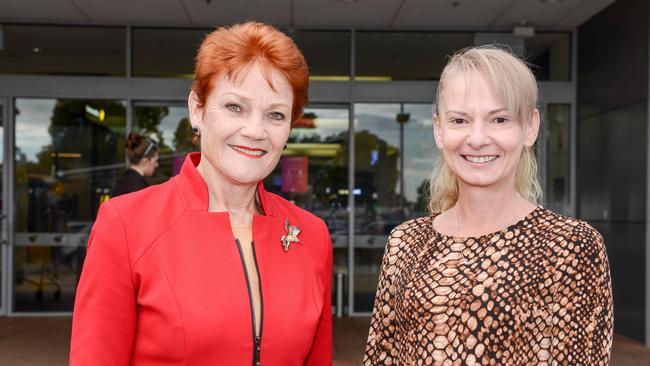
<point x="294" y="174"/>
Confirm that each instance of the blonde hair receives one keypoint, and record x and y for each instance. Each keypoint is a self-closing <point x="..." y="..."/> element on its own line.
<point x="515" y="84"/>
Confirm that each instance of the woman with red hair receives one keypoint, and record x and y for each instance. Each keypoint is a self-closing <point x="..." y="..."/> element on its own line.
<point x="209" y="268"/>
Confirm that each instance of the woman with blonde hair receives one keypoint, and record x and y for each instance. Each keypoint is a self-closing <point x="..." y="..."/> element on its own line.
<point x="490" y="277"/>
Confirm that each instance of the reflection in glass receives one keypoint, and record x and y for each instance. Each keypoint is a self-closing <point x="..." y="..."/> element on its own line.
<point x="550" y="55"/>
<point x="422" y="55"/>
<point x="406" y="55"/>
<point x="68" y="156"/>
<point x="390" y="188"/>
<point x="161" y="52"/>
<point x="313" y="174"/>
<point x="327" y="52"/>
<point x="63" y="50"/>
<point x="169" y="125"/>
<point x="558" y="158"/>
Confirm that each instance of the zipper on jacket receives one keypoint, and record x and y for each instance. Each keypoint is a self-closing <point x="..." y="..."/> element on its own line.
<point x="257" y="340"/>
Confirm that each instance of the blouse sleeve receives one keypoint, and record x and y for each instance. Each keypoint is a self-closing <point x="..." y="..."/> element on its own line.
<point x="380" y="347"/>
<point x="322" y="347"/>
<point x="103" y="324"/>
<point x="581" y="313"/>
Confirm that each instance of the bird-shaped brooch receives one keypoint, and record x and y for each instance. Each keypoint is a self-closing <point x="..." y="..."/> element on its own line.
<point x="292" y="235"/>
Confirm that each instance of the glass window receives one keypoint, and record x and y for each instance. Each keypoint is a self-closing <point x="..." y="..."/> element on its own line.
<point x="327" y="53"/>
<point x="558" y="117"/>
<point x="420" y="153"/>
<point x="68" y="156"/>
<point x="63" y="50"/>
<point x="550" y="55"/>
<point x="422" y="56"/>
<point x="406" y="55"/>
<point x="393" y="161"/>
<point x="169" y="125"/>
<point x="313" y="173"/>
<point x="165" y="52"/>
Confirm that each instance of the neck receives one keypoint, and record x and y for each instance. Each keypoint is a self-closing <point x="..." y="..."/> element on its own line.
<point x="479" y="210"/>
<point x="224" y="196"/>
<point x="138" y="168"/>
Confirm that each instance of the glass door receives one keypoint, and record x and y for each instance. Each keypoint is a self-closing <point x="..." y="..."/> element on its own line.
<point x="68" y="154"/>
<point x="313" y="174"/>
<point x="555" y="160"/>
<point x="168" y="124"/>
<point x="394" y="156"/>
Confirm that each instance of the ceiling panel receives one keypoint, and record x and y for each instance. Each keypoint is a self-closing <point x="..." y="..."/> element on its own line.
<point x="131" y="11"/>
<point x="404" y="14"/>
<point x="35" y="10"/>
<point x="276" y="12"/>
<point x="535" y="12"/>
<point x="335" y="13"/>
<point x="443" y="13"/>
<point x="549" y="14"/>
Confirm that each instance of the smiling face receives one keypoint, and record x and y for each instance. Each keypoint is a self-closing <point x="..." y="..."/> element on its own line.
<point x="480" y="139"/>
<point x="244" y="125"/>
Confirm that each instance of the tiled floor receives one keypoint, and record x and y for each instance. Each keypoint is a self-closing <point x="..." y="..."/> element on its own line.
<point x="45" y="341"/>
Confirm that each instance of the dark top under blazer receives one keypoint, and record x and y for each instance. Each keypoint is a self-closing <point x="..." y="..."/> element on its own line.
<point x="163" y="283"/>
<point x="131" y="181"/>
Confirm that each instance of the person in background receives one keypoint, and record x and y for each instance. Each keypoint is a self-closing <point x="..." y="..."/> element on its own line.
<point x="209" y="268"/>
<point x="142" y="153"/>
<point x="490" y="277"/>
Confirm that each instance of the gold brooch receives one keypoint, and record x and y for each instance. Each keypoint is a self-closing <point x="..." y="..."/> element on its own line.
<point x="292" y="235"/>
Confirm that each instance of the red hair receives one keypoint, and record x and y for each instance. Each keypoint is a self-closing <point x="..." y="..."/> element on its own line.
<point x="232" y="50"/>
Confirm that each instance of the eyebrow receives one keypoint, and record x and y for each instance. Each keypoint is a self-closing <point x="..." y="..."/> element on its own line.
<point x="246" y="99"/>
<point x="495" y="111"/>
<point x="498" y="110"/>
<point x="236" y="95"/>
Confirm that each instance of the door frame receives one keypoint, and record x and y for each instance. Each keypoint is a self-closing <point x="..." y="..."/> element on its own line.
<point x="6" y="252"/>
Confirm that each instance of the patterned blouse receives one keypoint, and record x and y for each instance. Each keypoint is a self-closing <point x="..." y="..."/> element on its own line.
<point x="535" y="293"/>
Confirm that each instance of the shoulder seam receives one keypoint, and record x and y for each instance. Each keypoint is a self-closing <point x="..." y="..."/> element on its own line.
<point x="146" y="249"/>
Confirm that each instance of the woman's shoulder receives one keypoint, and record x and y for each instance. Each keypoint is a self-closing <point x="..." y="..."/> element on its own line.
<point x="411" y="231"/>
<point x="570" y="228"/>
<point x="417" y="226"/>
<point x="142" y="202"/>
<point x="572" y="238"/>
<point x="144" y="214"/>
<point x="281" y="207"/>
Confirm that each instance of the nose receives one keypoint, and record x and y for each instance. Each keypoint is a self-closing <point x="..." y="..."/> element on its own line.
<point x="478" y="136"/>
<point x="255" y="128"/>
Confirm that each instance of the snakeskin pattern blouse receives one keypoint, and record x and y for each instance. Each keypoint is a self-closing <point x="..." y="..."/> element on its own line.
<point x="535" y="293"/>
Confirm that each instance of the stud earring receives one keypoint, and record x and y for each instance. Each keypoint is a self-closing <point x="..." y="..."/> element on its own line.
<point x="196" y="130"/>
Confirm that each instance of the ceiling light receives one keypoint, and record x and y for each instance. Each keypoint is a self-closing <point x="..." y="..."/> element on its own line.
<point x="523" y="31"/>
<point x="37" y="50"/>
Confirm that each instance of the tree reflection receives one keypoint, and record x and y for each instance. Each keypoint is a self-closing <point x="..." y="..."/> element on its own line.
<point x="67" y="176"/>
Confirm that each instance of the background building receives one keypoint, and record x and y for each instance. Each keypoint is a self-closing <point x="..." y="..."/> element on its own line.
<point x="77" y="75"/>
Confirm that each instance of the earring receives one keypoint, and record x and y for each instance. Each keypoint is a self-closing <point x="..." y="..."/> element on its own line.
<point x="196" y="130"/>
<point x="285" y="146"/>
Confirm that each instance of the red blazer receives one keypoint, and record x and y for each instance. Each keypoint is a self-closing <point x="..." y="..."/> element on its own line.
<point x="163" y="283"/>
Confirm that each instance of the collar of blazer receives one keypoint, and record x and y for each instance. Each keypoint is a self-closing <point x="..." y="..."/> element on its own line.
<point x="194" y="191"/>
